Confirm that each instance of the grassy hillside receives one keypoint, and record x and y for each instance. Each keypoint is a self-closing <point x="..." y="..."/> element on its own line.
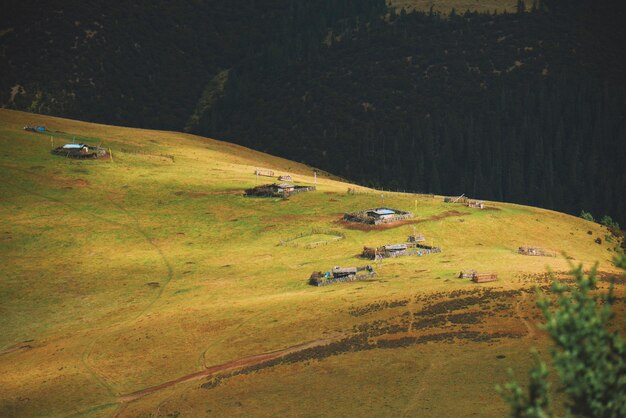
<point x="147" y="285"/>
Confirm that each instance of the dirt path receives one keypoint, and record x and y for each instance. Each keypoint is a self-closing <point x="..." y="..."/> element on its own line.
<point x="137" y="229"/>
<point x="16" y="347"/>
<point x="232" y="365"/>
<point x="518" y="311"/>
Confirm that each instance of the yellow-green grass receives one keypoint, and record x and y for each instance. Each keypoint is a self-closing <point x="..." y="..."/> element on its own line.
<point x="444" y="6"/>
<point x="125" y="274"/>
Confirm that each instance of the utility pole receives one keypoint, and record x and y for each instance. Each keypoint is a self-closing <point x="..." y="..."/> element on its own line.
<point x="315" y="178"/>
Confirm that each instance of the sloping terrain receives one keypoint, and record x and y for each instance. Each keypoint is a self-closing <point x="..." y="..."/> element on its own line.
<point x="146" y="284"/>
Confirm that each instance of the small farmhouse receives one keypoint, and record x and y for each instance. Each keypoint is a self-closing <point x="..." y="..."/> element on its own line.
<point x="478" y="277"/>
<point x="476" y="204"/>
<point x="79" y="151"/>
<point x="339" y="274"/>
<point x="377" y="216"/>
<point x="277" y="190"/>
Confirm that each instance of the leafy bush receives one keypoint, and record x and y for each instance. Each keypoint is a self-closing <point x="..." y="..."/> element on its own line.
<point x="589" y="358"/>
<point x="610" y="223"/>
<point x="587" y="216"/>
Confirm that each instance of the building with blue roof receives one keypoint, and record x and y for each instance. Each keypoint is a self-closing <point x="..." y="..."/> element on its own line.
<point x="377" y="216"/>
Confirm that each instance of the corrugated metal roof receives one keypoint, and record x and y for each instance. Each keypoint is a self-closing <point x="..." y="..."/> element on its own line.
<point x="384" y="211"/>
<point x="344" y="270"/>
<point x="395" y="247"/>
<point x="73" y="146"/>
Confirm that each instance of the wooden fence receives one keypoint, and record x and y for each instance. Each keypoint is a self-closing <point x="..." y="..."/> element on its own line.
<point x="484" y="277"/>
<point x="409" y="250"/>
<point x="535" y="251"/>
<point x="264" y="172"/>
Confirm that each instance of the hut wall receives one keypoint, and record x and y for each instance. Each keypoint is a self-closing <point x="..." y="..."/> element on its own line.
<point x="484" y="277"/>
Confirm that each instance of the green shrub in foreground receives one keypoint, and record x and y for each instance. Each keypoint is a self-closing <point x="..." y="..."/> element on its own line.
<point x="590" y="359"/>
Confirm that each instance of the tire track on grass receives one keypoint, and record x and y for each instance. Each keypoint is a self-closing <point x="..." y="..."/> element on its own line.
<point x="170" y="276"/>
<point x="228" y="366"/>
<point x="170" y="270"/>
<point x="149" y="240"/>
<point x="94" y="374"/>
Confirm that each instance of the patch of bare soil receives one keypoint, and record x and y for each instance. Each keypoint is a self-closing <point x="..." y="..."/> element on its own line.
<point x="443" y="215"/>
<point x="79" y="183"/>
<point x="16" y="347"/>
<point x="365" y="227"/>
<point x="72" y="183"/>
<point x="236" y="364"/>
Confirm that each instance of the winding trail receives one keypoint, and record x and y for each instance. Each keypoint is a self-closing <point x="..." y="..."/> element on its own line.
<point x="232" y="365"/>
<point x="136" y="228"/>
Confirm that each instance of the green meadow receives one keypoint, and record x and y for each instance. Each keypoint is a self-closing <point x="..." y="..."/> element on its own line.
<point x="146" y="284"/>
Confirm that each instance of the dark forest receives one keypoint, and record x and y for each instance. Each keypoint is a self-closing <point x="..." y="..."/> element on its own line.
<point x="524" y="107"/>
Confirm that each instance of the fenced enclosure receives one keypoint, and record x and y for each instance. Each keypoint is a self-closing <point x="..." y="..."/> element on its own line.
<point x="264" y="172"/>
<point x="456" y="199"/>
<point x="312" y="239"/>
<point x="398" y="250"/>
<point x="377" y="216"/>
<point x="277" y="190"/>
<point x="341" y="275"/>
<point x="80" y="153"/>
<point x="478" y="277"/>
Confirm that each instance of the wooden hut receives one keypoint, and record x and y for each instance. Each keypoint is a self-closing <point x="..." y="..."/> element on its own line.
<point x="264" y="172"/>
<point x="377" y="216"/>
<point x="476" y="204"/>
<point x="416" y="238"/>
<point x="455" y="199"/>
<point x="484" y="277"/>
<point x="340" y="275"/>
